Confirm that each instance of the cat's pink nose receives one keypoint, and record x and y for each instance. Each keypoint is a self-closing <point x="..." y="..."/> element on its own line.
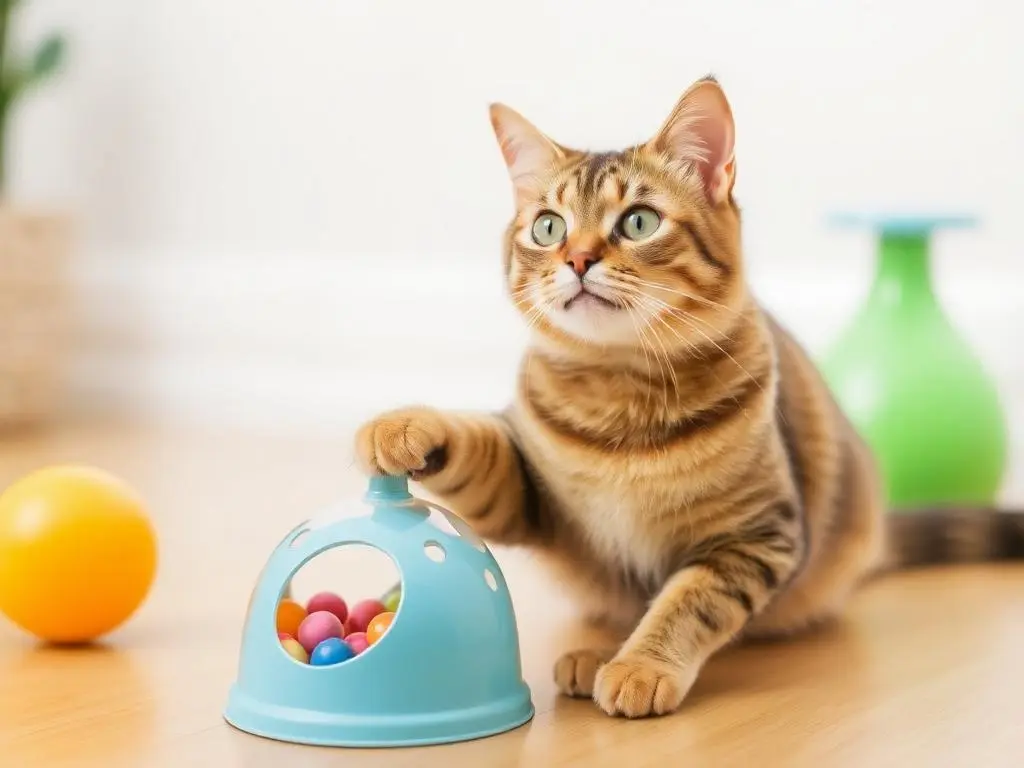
<point x="581" y="261"/>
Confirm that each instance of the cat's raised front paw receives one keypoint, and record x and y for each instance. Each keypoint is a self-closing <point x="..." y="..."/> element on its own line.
<point x="639" y="686"/>
<point x="410" y="441"/>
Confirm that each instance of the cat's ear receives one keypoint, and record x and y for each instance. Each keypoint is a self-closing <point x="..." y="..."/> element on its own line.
<point x="700" y="132"/>
<point x="528" y="153"/>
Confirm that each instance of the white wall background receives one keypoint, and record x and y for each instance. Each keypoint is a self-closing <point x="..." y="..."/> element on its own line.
<point x="271" y="193"/>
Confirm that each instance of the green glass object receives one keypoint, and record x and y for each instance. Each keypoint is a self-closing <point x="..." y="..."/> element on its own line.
<point x="912" y="385"/>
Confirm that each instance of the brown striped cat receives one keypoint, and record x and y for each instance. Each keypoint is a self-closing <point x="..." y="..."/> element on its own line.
<point x="671" y="452"/>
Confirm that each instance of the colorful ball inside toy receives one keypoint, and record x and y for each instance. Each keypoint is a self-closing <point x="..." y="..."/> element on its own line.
<point x="333" y="650"/>
<point x="302" y="630"/>
<point x="362" y="614"/>
<point x="392" y="600"/>
<point x="294" y="649"/>
<point x="357" y="642"/>
<point x="330" y="602"/>
<point x="318" y="627"/>
<point x="378" y="626"/>
<point x="78" y="553"/>
<point x="289" y="616"/>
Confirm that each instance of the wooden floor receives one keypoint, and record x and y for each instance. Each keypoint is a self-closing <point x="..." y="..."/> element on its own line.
<point x="926" y="670"/>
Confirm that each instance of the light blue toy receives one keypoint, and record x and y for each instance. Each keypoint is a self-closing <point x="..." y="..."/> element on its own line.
<point x="447" y="670"/>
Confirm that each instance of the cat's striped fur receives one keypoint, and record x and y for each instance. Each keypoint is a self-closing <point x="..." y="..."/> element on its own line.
<point x="671" y="452"/>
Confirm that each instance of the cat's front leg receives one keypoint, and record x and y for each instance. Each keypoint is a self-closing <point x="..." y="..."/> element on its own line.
<point x="468" y="461"/>
<point x="701" y="608"/>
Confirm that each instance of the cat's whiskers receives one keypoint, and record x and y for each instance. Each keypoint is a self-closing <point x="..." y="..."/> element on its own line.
<point x="681" y="315"/>
<point x="625" y="302"/>
<point x="628" y="288"/>
<point x="538" y="310"/>
<point x="522" y="292"/>
<point x="689" y="315"/>
<point x="632" y="293"/>
<point x="661" y="368"/>
<point x="686" y="295"/>
<point x="668" y="364"/>
<point x="679" y="337"/>
<point x="533" y="316"/>
<point x="657" y="316"/>
<point x="640" y="336"/>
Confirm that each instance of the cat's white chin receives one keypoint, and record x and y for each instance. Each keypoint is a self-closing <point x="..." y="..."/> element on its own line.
<point x="592" y="320"/>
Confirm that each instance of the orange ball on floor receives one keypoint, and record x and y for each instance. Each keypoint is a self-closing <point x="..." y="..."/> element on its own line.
<point x="77" y="553"/>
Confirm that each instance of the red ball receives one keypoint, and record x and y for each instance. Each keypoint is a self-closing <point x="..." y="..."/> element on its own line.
<point x="357" y="642"/>
<point x="330" y="602"/>
<point x="363" y="613"/>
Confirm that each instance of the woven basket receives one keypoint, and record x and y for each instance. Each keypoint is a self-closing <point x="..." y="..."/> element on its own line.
<point x="34" y="314"/>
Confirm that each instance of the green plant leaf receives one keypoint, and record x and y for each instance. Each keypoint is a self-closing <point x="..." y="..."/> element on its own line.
<point x="12" y="81"/>
<point x="48" y="58"/>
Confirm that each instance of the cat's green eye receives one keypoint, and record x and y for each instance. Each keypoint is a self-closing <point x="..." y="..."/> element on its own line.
<point x="639" y="223"/>
<point x="548" y="229"/>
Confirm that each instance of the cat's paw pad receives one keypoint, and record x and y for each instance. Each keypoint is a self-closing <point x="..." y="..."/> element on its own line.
<point x="639" y="686"/>
<point x="576" y="671"/>
<point x="411" y="442"/>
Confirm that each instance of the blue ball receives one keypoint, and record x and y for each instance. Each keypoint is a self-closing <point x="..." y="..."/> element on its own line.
<point x="333" y="650"/>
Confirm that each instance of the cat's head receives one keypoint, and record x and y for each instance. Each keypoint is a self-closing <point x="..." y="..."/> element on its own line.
<point x="637" y="248"/>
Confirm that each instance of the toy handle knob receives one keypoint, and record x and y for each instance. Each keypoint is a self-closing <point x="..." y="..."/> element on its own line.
<point x="388" y="488"/>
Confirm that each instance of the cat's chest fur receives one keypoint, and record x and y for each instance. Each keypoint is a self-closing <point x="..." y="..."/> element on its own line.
<point x="616" y="525"/>
<point x="623" y="524"/>
<point x="627" y="509"/>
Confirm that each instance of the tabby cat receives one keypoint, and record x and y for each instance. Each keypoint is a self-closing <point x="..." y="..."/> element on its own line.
<point x="671" y="452"/>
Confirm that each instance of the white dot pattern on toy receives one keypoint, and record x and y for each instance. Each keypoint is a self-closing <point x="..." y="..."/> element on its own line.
<point x="435" y="551"/>
<point x="457" y="525"/>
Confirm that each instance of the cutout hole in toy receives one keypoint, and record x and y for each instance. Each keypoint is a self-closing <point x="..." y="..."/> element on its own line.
<point x="441" y="521"/>
<point x="435" y="551"/>
<point x="339" y="604"/>
<point x="456" y="526"/>
<point x="298" y="537"/>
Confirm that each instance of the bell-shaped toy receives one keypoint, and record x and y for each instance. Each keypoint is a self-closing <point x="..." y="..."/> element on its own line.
<point x="448" y="669"/>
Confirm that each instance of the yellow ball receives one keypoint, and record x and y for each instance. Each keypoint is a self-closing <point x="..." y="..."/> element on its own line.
<point x="78" y="554"/>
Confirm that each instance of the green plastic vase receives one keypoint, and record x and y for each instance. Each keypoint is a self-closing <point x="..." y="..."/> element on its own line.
<point x="911" y="384"/>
